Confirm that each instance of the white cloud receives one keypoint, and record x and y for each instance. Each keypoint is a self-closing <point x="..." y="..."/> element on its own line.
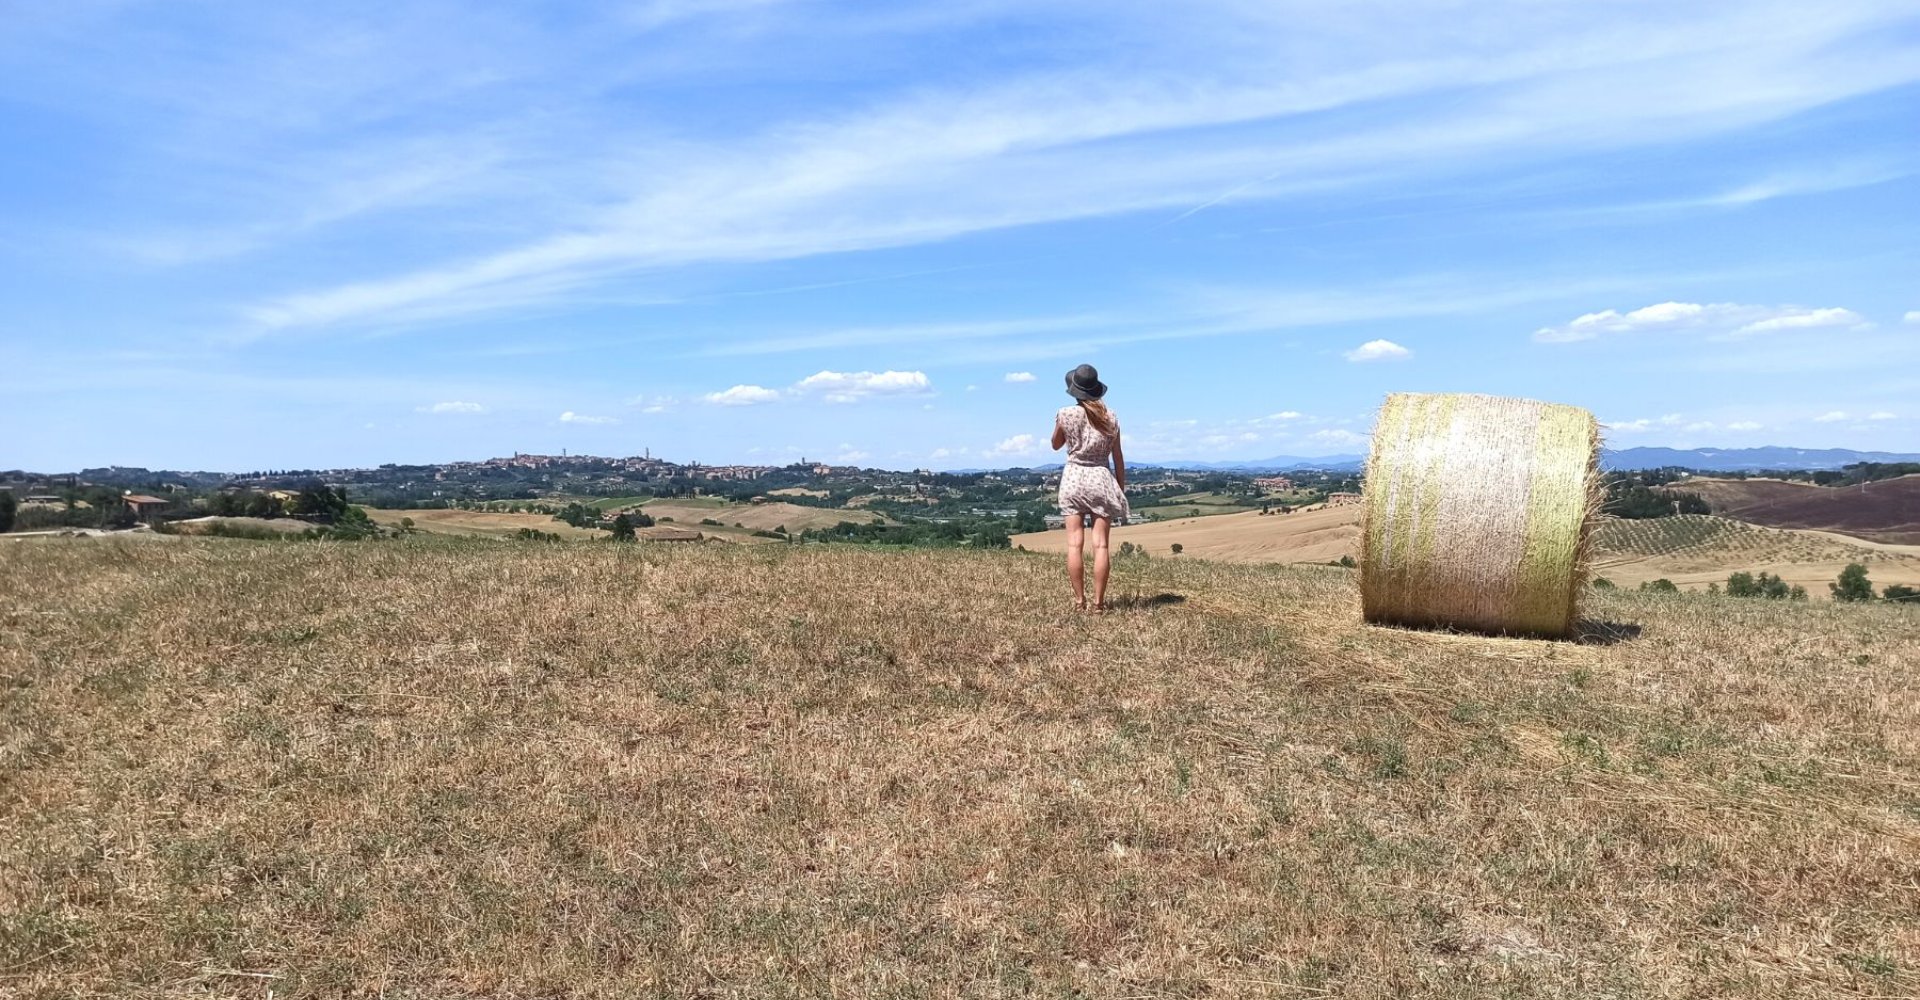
<point x="1285" y="415"/>
<point x="1019" y="444"/>
<point x="571" y="417"/>
<point x="1725" y="319"/>
<point x="1883" y="415"/>
<point x="1379" y="350"/>
<point x="851" y="387"/>
<point x="1019" y="377"/>
<point x="1811" y="319"/>
<point x="452" y="407"/>
<point x="653" y="404"/>
<point x="742" y="395"/>
<point x="1338" y="437"/>
<point x="1831" y="417"/>
<point x="849" y="455"/>
<point x="1699" y="426"/>
<point x="1645" y="423"/>
<point x="1911" y="317"/>
<point x="1745" y="425"/>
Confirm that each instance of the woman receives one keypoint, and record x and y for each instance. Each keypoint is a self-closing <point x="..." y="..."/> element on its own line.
<point x="1087" y="487"/>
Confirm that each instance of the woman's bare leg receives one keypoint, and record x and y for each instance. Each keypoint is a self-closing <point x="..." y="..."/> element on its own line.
<point x="1100" y="563"/>
<point x="1076" y="560"/>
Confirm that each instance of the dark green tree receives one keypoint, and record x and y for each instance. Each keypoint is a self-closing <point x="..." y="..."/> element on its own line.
<point x="623" y="529"/>
<point x="1660" y="586"/>
<point x="1742" y="585"/>
<point x="993" y="537"/>
<point x="1178" y="548"/>
<point x="1852" y="585"/>
<point x="7" y="508"/>
<point x="1901" y="592"/>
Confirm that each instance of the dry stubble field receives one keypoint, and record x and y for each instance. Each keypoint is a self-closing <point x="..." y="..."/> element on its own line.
<point x="435" y="767"/>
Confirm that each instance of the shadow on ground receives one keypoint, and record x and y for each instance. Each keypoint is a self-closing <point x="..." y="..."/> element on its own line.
<point x="1135" y="602"/>
<point x="1596" y="633"/>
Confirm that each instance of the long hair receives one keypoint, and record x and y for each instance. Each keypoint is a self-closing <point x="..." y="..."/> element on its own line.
<point x="1099" y="416"/>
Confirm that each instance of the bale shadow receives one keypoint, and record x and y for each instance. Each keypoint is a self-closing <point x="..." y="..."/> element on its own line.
<point x="1588" y="632"/>
<point x="1137" y="602"/>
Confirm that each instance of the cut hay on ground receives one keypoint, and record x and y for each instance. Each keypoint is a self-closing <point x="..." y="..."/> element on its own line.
<point x="1477" y="513"/>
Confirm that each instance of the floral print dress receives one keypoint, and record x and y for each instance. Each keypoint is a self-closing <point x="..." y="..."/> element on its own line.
<point x="1087" y="485"/>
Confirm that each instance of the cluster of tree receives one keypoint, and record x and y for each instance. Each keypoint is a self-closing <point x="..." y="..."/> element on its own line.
<point x="314" y="501"/>
<point x="1853" y="585"/>
<point x="1636" y="501"/>
<point x="8" y="507"/>
<point x="1763" y="585"/>
<point x="81" y="507"/>
<point x="582" y="516"/>
<point x="535" y="535"/>
<point x="350" y="525"/>
<point x="986" y="534"/>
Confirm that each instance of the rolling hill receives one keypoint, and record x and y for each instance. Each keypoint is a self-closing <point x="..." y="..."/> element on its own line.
<point x="1886" y="511"/>
<point x="1692" y="551"/>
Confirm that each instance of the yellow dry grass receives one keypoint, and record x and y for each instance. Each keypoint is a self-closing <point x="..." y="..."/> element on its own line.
<point x="480" y="523"/>
<point x="201" y="525"/>
<point x="1322" y="535"/>
<point x="441" y="768"/>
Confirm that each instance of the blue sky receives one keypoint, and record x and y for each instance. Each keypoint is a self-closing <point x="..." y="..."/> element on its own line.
<point x="241" y="235"/>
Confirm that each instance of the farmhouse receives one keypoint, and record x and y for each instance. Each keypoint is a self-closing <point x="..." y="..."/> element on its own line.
<point x="143" y="505"/>
<point x="1274" y="483"/>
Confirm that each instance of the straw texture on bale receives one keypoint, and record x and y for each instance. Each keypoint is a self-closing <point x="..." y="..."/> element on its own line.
<point x="1477" y="513"/>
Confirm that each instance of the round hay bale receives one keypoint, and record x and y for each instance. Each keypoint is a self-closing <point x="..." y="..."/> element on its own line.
<point x="1477" y="513"/>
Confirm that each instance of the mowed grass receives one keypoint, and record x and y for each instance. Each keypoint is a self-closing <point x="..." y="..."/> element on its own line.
<point x="444" y="767"/>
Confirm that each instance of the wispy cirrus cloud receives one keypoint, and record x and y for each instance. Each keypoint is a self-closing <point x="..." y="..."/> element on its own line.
<point x="939" y="162"/>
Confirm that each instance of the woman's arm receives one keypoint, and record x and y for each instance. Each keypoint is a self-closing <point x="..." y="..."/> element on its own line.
<point x="1059" y="433"/>
<point x="1119" y="461"/>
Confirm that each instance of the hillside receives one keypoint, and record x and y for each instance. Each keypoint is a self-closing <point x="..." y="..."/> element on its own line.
<point x="1886" y="511"/>
<point x="453" y="768"/>
<point x="1698" y="551"/>
<point x="1307" y="536"/>
<point x="1691" y="551"/>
